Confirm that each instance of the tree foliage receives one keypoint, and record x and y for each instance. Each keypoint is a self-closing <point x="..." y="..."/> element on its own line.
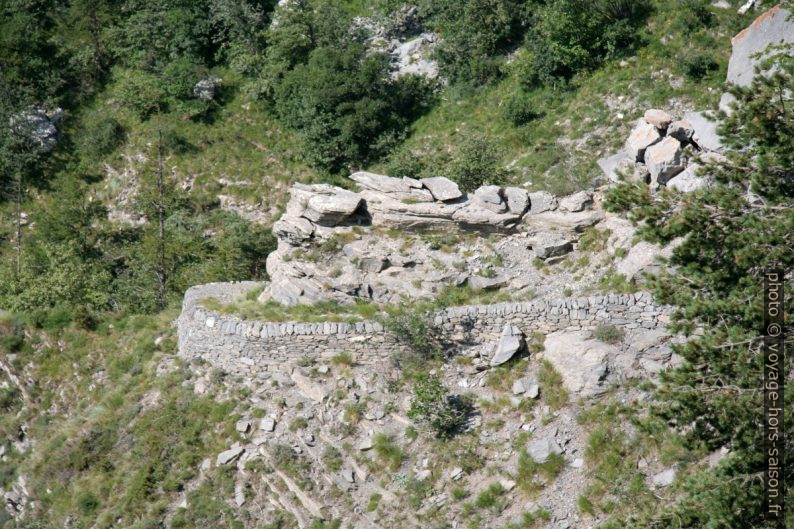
<point x="729" y="234"/>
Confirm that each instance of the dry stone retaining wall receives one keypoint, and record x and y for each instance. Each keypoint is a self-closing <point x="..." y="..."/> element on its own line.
<point x="256" y="349"/>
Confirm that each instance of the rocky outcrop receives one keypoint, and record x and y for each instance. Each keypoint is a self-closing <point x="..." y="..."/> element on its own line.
<point x="589" y="367"/>
<point x="207" y="88"/>
<point x="39" y="124"/>
<point x="662" y="151"/>
<point x="750" y="47"/>
<point x="403" y="238"/>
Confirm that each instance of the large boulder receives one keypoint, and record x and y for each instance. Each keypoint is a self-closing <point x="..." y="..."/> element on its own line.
<point x="642" y="136"/>
<point x="490" y="197"/>
<point x="682" y="130"/>
<point x="582" y="361"/>
<point x="541" y="449"/>
<point x="206" y="88"/>
<point x="517" y="200"/>
<point x="688" y="180"/>
<point x="541" y="201"/>
<point x="510" y="342"/>
<point x="562" y="221"/>
<point x="39" y="124"/>
<point x="577" y="201"/>
<point x="774" y="27"/>
<point x="704" y="131"/>
<point x="658" y="118"/>
<point x="330" y="206"/>
<point x="293" y="230"/>
<point x="665" y="160"/>
<point x="442" y="188"/>
<point x="550" y="244"/>
<point x="407" y="189"/>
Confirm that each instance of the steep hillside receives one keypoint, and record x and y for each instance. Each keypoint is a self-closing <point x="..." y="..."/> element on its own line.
<point x="325" y="264"/>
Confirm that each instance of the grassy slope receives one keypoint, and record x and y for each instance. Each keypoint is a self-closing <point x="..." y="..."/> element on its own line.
<point x="107" y="448"/>
<point x="558" y="151"/>
<point x="116" y="431"/>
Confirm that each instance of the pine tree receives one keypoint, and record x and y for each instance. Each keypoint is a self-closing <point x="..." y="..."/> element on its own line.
<point x="729" y="234"/>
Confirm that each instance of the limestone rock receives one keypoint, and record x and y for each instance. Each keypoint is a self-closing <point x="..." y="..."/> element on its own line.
<point x="609" y="165"/>
<point x="310" y="389"/>
<point x="541" y="449"/>
<point x="664" y="479"/>
<point x="643" y="136"/>
<point x="379" y="182"/>
<point x="229" y="456"/>
<point x="517" y="200"/>
<point x="329" y="208"/>
<point x="541" y="201"/>
<point x="750" y="47"/>
<point x="705" y="131"/>
<point x="560" y="221"/>
<point x="413" y="57"/>
<point x="688" y="180"/>
<point x="39" y="124"/>
<point x="490" y="197"/>
<point x="206" y="88"/>
<point x="293" y="230"/>
<point x="478" y="282"/>
<point x="373" y="264"/>
<point x="576" y="202"/>
<point x="510" y="342"/>
<point x="268" y="424"/>
<point x="664" y="160"/>
<point x="442" y="188"/>
<point x="243" y="426"/>
<point x="474" y="215"/>
<point x="583" y="362"/>
<point x="550" y="244"/>
<point x="682" y="130"/>
<point x="641" y="258"/>
<point x="658" y="118"/>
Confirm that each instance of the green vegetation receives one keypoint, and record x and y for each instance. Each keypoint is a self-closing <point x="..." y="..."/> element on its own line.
<point x="390" y="454"/>
<point x="101" y="235"/>
<point x="552" y="389"/>
<point x="717" y="287"/>
<point x="433" y="407"/>
<point x="530" y="472"/>
<point x="609" y="334"/>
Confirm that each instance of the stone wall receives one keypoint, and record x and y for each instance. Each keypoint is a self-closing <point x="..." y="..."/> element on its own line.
<point x="256" y="349"/>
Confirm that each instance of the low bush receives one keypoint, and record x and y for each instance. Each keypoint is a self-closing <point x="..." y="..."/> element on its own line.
<point x="609" y="334"/>
<point x="433" y="407"/>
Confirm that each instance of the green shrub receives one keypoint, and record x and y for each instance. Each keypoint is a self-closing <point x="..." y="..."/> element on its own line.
<point x="491" y="498"/>
<point x="529" y="471"/>
<point x="569" y="36"/>
<point x="388" y="451"/>
<point x="373" y="502"/>
<point x="552" y="388"/>
<point x="87" y="503"/>
<point x="609" y="334"/>
<point x="412" y="326"/>
<point x="332" y="458"/>
<point x="520" y="110"/>
<point x="699" y="65"/>
<point x="432" y="406"/>
<point x="477" y="163"/>
<point x="585" y="506"/>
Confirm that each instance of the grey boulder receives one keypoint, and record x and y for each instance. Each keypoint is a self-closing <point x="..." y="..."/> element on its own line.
<point x="229" y="456"/>
<point x="490" y="197"/>
<point x="664" y="160"/>
<point x="541" y="449"/>
<point x="331" y="208"/>
<point x="642" y="136"/>
<point x="510" y="342"/>
<point x="442" y="188"/>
